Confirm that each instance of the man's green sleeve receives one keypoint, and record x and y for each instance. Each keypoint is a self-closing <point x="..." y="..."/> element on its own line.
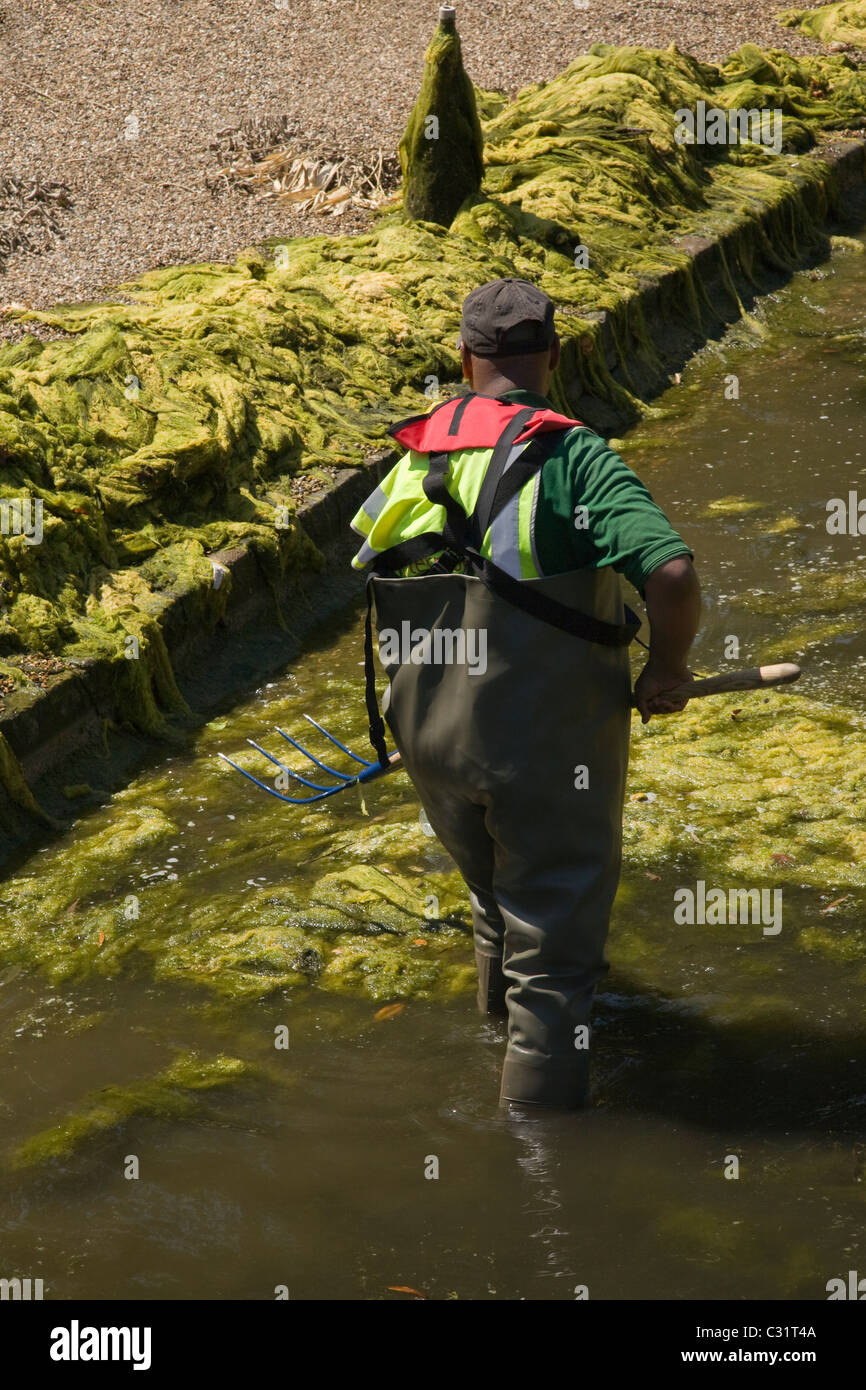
<point x="594" y="510"/>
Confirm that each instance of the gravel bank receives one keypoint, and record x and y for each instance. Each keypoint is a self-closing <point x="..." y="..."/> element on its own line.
<point x="122" y="100"/>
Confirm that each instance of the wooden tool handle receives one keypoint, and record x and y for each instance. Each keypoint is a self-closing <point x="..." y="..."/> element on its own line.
<point x="754" y="678"/>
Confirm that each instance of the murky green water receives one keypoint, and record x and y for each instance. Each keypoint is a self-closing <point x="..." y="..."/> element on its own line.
<point x="150" y="958"/>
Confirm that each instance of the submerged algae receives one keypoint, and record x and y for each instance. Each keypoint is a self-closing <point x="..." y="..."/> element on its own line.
<point x="171" y="1093"/>
<point x="768" y="794"/>
<point x="187" y="879"/>
<point x="101" y="905"/>
<point x="772" y="790"/>
<point x="173" y="425"/>
<point x="823" y="603"/>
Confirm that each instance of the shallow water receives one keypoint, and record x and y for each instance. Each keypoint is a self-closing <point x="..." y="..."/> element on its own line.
<point x="710" y="1042"/>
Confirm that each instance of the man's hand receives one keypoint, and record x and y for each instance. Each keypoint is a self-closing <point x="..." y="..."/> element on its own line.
<point x="649" y="690"/>
<point x="673" y="605"/>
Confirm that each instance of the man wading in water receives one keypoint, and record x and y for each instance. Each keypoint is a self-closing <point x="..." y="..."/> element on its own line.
<point x="503" y="530"/>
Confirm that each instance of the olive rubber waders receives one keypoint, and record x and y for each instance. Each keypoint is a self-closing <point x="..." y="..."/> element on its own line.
<point x="521" y="769"/>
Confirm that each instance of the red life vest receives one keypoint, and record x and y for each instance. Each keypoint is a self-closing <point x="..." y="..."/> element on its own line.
<point x="473" y="422"/>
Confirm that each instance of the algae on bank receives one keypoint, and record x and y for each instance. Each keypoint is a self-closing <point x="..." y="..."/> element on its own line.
<point x="174" y="425"/>
<point x="843" y="23"/>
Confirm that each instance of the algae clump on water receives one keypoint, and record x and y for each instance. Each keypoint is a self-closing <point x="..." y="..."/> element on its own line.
<point x="742" y="782"/>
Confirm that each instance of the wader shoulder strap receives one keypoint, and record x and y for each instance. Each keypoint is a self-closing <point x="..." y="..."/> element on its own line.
<point x="458" y="528"/>
<point x="482" y="514"/>
<point x="456" y="522"/>
<point x="507" y="483"/>
<point x="451" y="538"/>
<point x="500" y="485"/>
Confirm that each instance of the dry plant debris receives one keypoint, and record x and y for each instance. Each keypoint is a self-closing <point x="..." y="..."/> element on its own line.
<point x="264" y="159"/>
<point x="30" y="214"/>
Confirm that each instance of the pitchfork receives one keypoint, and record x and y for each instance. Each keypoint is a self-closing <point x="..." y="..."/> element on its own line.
<point x="755" y="678"/>
<point x="344" y="780"/>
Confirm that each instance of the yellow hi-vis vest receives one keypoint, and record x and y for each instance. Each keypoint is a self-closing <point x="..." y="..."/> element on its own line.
<point x="398" y="510"/>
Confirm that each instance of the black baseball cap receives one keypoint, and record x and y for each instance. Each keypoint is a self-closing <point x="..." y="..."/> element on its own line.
<point x="505" y="318"/>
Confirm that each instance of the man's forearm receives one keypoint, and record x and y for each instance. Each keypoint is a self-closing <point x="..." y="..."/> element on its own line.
<point x="673" y="604"/>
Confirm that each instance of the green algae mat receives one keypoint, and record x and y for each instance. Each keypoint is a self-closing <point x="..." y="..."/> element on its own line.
<point x="358" y="894"/>
<point x="174" y="422"/>
<point x="844" y="23"/>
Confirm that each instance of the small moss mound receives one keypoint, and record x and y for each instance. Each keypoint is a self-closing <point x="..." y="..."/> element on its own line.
<point x="441" y="152"/>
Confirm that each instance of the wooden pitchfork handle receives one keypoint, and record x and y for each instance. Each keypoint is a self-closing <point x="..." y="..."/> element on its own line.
<point x="754" y="678"/>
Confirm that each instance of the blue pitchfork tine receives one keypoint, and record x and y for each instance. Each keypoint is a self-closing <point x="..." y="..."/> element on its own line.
<point x="370" y="770"/>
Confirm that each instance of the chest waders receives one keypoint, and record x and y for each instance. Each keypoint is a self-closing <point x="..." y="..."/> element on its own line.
<point x="509" y="701"/>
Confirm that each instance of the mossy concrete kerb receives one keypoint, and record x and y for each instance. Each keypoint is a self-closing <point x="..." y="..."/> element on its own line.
<point x="166" y="435"/>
